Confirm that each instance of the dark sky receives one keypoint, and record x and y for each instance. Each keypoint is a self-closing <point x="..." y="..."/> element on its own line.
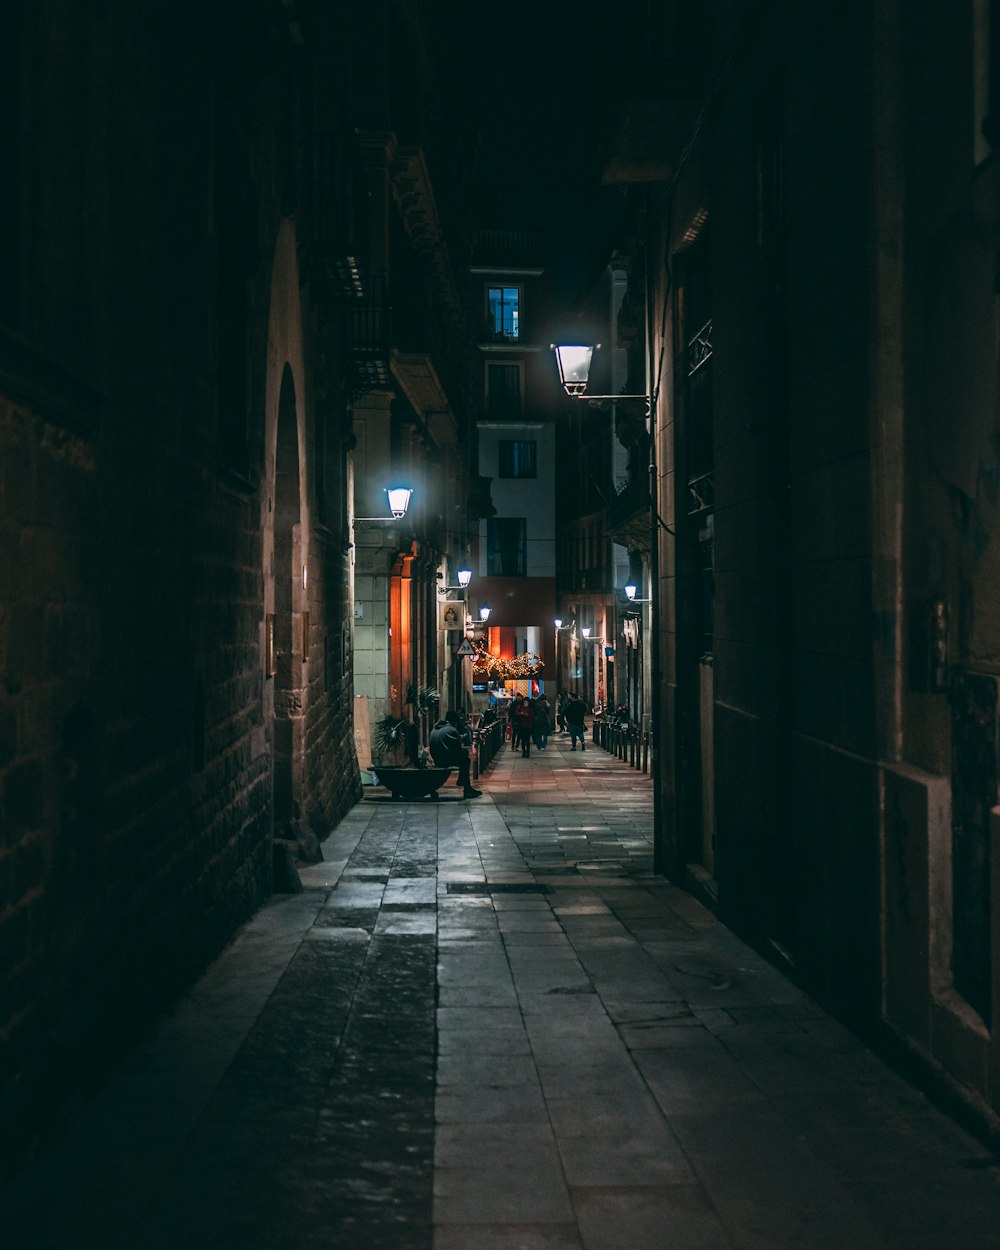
<point x="537" y="92"/>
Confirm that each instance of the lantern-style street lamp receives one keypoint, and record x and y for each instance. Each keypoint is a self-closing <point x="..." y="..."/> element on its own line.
<point x="574" y="361"/>
<point x="464" y="577"/>
<point x="399" y="501"/>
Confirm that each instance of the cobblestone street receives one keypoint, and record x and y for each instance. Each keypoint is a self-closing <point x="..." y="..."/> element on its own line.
<point x="487" y="1025"/>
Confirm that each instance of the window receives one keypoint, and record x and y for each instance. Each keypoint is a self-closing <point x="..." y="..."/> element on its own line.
<point x="503" y="389"/>
<point x="502" y="312"/>
<point x="507" y="547"/>
<point x="518" y="457"/>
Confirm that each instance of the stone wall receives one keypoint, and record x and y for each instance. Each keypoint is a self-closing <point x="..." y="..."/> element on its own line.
<point x="137" y="723"/>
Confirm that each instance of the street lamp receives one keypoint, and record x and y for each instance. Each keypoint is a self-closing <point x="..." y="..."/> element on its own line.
<point x="464" y="577"/>
<point x="630" y="593"/>
<point x="399" y="500"/>
<point x="574" y="361"/>
<point x="484" y="612"/>
<point x="558" y="624"/>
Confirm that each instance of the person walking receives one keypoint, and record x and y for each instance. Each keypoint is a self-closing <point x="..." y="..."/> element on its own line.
<point x="447" y="751"/>
<point x="561" y="711"/>
<point x="574" y="715"/>
<point x="522" y="718"/>
<point x="542" y="726"/>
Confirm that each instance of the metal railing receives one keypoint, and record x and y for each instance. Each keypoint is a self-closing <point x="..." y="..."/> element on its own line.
<point x="485" y="744"/>
<point x="624" y="740"/>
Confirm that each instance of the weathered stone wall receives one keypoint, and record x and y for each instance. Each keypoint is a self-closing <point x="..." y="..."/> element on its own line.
<point x="136" y="729"/>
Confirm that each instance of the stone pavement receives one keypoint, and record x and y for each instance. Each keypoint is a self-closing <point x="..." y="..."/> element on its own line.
<point x="487" y="1026"/>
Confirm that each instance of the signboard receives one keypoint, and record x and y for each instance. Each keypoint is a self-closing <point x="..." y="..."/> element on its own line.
<point x="451" y="614"/>
<point x="466" y="648"/>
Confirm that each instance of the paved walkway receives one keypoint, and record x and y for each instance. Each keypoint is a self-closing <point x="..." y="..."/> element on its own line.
<point x="488" y="1026"/>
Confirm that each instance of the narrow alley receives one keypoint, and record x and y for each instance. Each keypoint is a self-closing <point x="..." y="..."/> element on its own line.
<point x="487" y="1025"/>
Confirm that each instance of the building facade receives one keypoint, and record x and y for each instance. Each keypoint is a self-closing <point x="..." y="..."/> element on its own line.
<point x="515" y="562"/>
<point x="817" y="234"/>
<point x="199" y="391"/>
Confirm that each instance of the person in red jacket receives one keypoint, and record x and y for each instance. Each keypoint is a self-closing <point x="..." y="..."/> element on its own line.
<point x="523" y="720"/>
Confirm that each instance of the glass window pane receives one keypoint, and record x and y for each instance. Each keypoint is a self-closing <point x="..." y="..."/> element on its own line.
<point x="506" y="542"/>
<point x="503" y="308"/>
<point x="503" y="389"/>
<point x="518" y="458"/>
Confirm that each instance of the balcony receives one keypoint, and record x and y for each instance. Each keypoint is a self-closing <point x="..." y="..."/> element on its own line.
<point x="338" y="242"/>
<point x="369" y="339"/>
<point x="629" y="516"/>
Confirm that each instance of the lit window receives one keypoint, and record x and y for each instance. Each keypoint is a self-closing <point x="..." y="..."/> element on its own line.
<point x="518" y="457"/>
<point x="503" y="311"/>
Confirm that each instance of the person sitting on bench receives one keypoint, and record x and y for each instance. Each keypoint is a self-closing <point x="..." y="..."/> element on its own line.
<point x="447" y="751"/>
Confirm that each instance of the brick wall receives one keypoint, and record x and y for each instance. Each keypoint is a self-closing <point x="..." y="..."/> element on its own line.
<point x="136" y="730"/>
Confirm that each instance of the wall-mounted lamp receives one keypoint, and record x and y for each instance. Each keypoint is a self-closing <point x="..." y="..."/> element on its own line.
<point x="630" y="593"/>
<point x="484" y="612"/>
<point x="558" y="622"/>
<point x="464" y="577"/>
<point x="399" y="501"/>
<point x="585" y="630"/>
<point x="573" y="361"/>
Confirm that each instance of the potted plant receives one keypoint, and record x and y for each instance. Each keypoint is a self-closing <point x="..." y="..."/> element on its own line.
<point x="405" y="773"/>
<point x="395" y="740"/>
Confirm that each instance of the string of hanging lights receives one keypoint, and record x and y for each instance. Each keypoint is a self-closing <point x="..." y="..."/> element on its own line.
<point x="486" y="666"/>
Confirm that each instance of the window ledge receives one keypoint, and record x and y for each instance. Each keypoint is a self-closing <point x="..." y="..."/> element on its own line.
<point x="510" y="348"/>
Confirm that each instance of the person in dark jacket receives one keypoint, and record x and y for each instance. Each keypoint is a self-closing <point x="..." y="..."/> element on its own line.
<point x="542" y="726"/>
<point x="447" y="751"/>
<point x="574" y="714"/>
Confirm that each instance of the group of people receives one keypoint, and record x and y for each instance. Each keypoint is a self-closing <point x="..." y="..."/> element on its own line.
<point x="531" y="720"/>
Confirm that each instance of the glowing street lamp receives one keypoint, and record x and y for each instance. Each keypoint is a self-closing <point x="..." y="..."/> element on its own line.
<point x="630" y="593"/>
<point x="399" y="501"/>
<point x="484" y="612"/>
<point x="573" y="361"/>
<point x="464" y="577"/>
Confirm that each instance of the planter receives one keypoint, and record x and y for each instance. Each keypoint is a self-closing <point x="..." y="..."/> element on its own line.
<point x="411" y="783"/>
